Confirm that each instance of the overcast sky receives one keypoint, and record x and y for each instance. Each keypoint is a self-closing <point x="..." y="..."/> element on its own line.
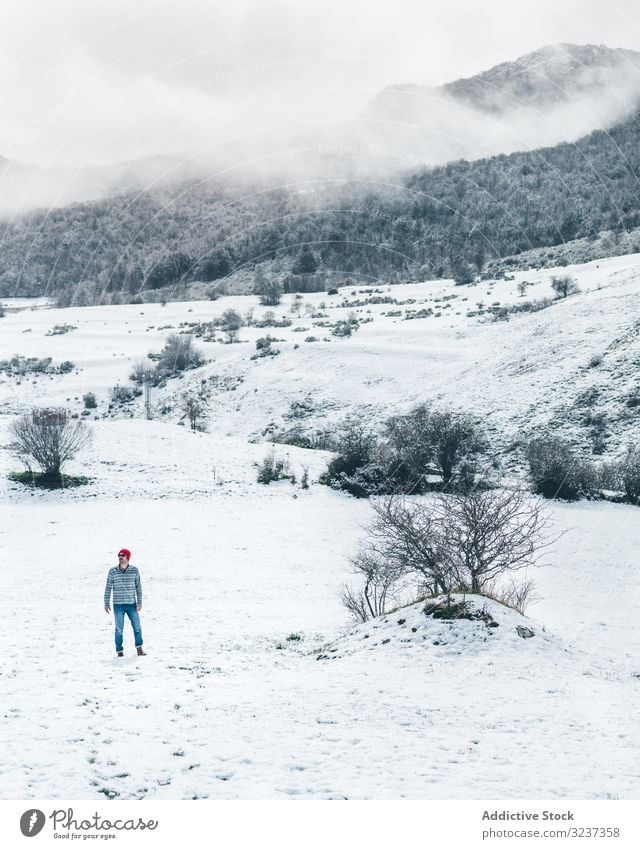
<point x="98" y="82"/>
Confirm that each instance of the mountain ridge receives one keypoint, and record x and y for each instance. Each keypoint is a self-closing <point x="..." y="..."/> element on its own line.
<point x="555" y="94"/>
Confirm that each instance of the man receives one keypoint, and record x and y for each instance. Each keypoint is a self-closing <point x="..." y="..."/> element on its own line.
<point x="124" y="580"/>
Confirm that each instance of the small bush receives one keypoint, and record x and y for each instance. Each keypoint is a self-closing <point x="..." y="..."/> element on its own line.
<point x="272" y="469"/>
<point x="557" y="472"/>
<point x="292" y="437"/>
<point x="342" y="329"/>
<point x="269" y="320"/>
<point x="269" y="290"/>
<point x="355" y="469"/>
<point x="179" y="354"/>
<point x="231" y="321"/>
<point x="516" y="594"/>
<point x="39" y="480"/>
<point x="610" y="476"/>
<point x="143" y="372"/>
<point x="564" y="286"/>
<point x="90" y="402"/>
<point x="122" y="394"/>
<point x="194" y="405"/>
<point x="60" y="329"/>
<point x="264" y="347"/>
<point x="630" y="473"/>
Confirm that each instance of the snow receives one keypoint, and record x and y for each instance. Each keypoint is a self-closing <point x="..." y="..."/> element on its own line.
<point x="225" y="706"/>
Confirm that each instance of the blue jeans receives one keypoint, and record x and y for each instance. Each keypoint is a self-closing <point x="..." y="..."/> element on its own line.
<point x="119" y="611"/>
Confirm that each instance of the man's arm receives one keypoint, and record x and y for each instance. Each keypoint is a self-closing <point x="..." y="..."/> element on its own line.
<point x="107" y="591"/>
<point x="138" y="589"/>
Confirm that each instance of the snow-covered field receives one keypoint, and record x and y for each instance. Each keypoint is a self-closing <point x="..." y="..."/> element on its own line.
<point x="242" y="581"/>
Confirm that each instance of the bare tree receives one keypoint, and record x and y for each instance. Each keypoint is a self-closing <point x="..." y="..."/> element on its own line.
<point x="491" y="532"/>
<point x="464" y="541"/>
<point x="49" y="437"/>
<point x="408" y="537"/>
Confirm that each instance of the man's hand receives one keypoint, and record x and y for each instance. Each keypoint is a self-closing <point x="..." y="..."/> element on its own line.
<point x="138" y="607"/>
<point x="107" y="610"/>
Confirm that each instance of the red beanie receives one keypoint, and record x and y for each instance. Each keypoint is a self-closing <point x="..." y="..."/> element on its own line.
<point x="126" y="553"/>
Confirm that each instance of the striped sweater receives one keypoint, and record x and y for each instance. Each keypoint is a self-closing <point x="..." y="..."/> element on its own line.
<point x="126" y="586"/>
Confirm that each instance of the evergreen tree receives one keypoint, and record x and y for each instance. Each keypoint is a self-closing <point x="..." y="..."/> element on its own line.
<point x="305" y="263"/>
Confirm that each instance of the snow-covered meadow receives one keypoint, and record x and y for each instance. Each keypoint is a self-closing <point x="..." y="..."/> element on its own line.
<point x="242" y="581"/>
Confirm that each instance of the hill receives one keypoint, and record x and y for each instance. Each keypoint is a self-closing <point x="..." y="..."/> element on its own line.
<point x="242" y="581"/>
<point x="432" y="224"/>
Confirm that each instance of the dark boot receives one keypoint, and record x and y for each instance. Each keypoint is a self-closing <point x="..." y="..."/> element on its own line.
<point x="120" y="654"/>
<point x="140" y="650"/>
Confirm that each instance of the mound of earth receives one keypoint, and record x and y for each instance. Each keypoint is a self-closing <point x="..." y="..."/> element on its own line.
<point x="463" y="623"/>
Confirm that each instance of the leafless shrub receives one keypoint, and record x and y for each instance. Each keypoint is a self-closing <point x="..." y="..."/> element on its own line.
<point x="464" y="541"/>
<point x="380" y="580"/>
<point x="48" y="437"/>
<point x="355" y="603"/>
<point x="516" y="594"/>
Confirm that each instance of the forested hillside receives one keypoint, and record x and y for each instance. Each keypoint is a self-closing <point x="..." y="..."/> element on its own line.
<point x="440" y="222"/>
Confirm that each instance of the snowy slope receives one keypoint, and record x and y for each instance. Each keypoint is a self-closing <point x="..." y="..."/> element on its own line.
<point x="516" y="376"/>
<point x="225" y="705"/>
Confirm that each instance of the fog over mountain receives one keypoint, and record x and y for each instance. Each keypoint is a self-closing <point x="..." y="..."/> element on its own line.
<point x="555" y="94"/>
